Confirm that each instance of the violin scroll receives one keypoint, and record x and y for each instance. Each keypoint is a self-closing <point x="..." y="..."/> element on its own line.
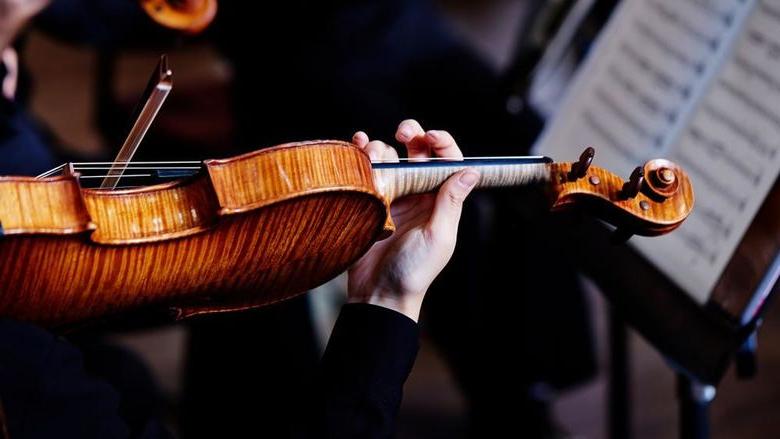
<point x="190" y="16"/>
<point x="661" y="180"/>
<point x="655" y="200"/>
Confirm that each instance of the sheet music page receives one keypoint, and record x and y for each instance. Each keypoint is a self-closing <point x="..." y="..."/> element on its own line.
<point x="695" y="81"/>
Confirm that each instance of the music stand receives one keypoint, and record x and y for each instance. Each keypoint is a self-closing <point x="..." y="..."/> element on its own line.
<point x="700" y="341"/>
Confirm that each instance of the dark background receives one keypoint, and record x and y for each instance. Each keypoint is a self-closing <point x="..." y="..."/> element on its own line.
<point x="64" y="98"/>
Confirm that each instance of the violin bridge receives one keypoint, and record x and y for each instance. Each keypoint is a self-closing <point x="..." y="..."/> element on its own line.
<point x="68" y="170"/>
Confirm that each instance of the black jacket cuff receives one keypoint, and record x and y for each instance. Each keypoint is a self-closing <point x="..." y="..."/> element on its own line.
<point x="369" y="356"/>
<point x="384" y="341"/>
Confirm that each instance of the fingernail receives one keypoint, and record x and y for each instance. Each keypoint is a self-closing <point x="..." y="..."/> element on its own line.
<point x="468" y="178"/>
<point x="432" y="135"/>
<point x="404" y="135"/>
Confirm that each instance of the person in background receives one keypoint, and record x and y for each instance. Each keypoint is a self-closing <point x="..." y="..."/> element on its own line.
<point x="24" y="144"/>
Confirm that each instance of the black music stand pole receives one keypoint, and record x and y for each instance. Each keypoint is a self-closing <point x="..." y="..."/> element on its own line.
<point x="619" y="401"/>
<point x="694" y="399"/>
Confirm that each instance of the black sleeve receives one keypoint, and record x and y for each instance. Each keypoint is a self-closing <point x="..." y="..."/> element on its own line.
<point x="360" y="384"/>
<point x="45" y="391"/>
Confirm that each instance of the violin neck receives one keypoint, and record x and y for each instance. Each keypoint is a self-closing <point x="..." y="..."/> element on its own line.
<point x="395" y="180"/>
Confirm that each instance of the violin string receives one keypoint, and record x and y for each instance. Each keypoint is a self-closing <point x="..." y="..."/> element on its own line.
<point x="465" y="159"/>
<point x="51" y="171"/>
<point x="183" y="162"/>
<point x="167" y="165"/>
<point x="195" y="168"/>
<point x="133" y="175"/>
<point x="403" y="159"/>
<point x="124" y="187"/>
<point x="80" y="165"/>
<point x="123" y="175"/>
<point x="95" y="168"/>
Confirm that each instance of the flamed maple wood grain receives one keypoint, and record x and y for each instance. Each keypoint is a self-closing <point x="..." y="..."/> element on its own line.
<point x="246" y="232"/>
<point x="565" y="191"/>
<point x="660" y="217"/>
<point x="62" y="279"/>
<point x="167" y="211"/>
<point x="193" y="244"/>
<point x="27" y="206"/>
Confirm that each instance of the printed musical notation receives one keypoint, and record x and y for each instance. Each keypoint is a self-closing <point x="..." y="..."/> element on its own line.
<point x="698" y="82"/>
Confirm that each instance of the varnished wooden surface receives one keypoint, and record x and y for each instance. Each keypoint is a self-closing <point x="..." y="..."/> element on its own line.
<point x="27" y="206"/>
<point x="191" y="16"/>
<point x="250" y="230"/>
<point x="53" y="280"/>
<point x="255" y="255"/>
<point x="602" y="189"/>
<point x="162" y="212"/>
<point x="285" y="171"/>
<point x="599" y="189"/>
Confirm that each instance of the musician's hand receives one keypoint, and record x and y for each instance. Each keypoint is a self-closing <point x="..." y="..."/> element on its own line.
<point x="397" y="272"/>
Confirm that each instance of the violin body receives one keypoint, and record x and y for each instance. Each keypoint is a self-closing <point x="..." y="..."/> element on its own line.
<point x="261" y="227"/>
<point x="249" y="230"/>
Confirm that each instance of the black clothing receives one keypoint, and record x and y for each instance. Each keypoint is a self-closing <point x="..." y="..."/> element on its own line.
<point x="24" y="145"/>
<point x="360" y="384"/>
<point x="285" y="348"/>
<point x="46" y="392"/>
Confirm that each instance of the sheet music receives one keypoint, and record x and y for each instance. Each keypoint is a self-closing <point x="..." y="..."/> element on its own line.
<point x="695" y="81"/>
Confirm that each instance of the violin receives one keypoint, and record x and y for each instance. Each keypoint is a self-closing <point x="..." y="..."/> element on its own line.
<point x="258" y="228"/>
<point x="189" y="16"/>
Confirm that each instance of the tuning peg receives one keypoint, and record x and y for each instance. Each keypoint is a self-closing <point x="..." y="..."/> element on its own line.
<point x="661" y="180"/>
<point x="580" y="169"/>
<point x="632" y="187"/>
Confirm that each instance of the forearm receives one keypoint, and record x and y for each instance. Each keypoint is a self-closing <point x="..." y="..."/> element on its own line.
<point x="360" y="384"/>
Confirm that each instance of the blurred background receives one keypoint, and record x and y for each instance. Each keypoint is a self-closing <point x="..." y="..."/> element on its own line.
<point x="468" y="60"/>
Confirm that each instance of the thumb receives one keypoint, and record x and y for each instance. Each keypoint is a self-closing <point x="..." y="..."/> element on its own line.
<point x="449" y="203"/>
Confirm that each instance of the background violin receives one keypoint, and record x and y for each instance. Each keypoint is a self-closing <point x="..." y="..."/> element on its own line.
<point x="263" y="226"/>
<point x="190" y="16"/>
